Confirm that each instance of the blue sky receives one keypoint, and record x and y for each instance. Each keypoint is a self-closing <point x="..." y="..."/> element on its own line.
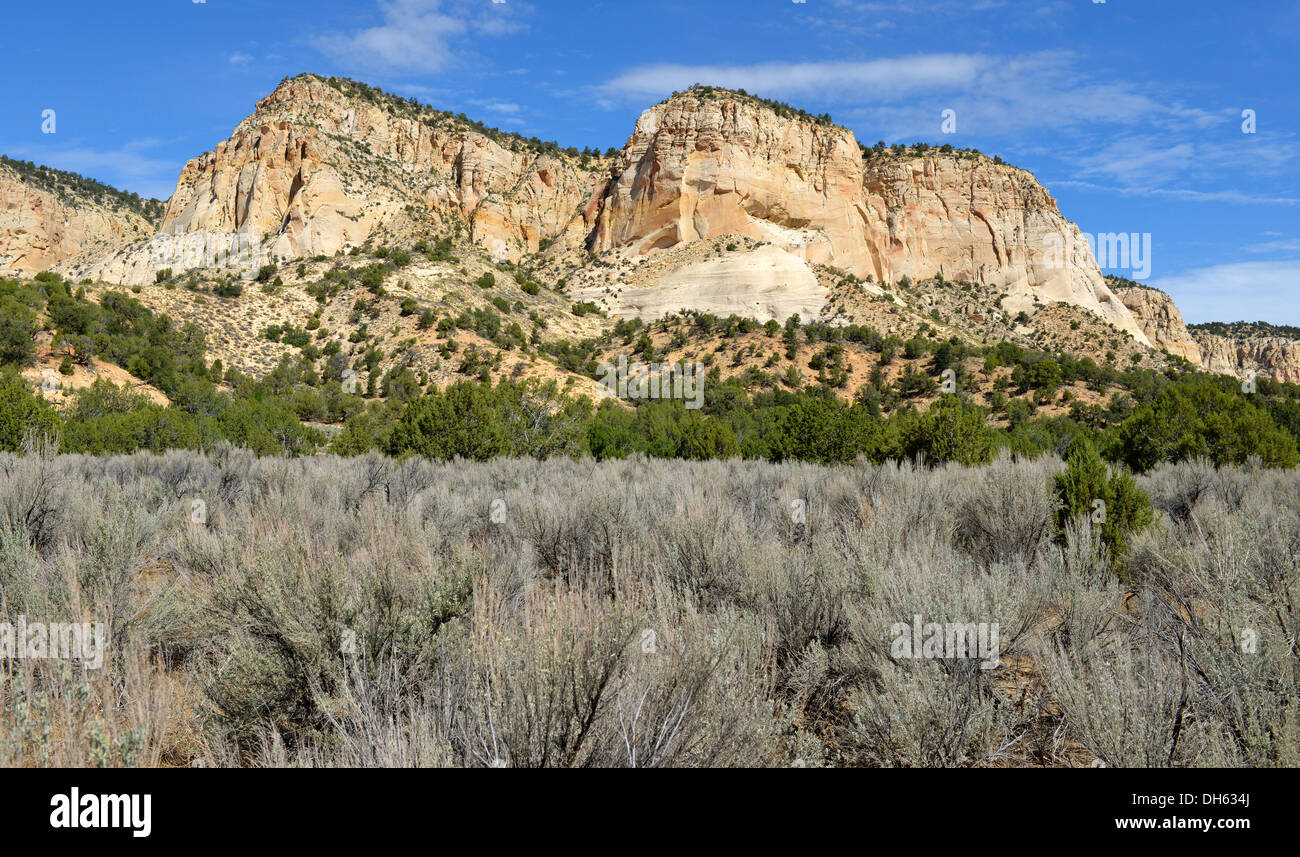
<point x="1129" y="111"/>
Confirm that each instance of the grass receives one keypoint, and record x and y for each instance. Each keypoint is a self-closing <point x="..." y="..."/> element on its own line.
<point x="327" y="612"/>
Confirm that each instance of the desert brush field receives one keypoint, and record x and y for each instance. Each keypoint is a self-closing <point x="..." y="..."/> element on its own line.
<point x="372" y="611"/>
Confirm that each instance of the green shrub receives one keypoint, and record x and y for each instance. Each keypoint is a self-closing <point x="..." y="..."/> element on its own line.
<point x="1112" y="501"/>
<point x="23" y="413"/>
<point x="950" y="430"/>
<point x="18" y="326"/>
<point x="1202" y="417"/>
<point x="230" y="289"/>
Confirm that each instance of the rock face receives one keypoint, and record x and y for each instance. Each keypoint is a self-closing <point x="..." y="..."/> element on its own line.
<point x="322" y="165"/>
<point x="326" y="164"/>
<point x="700" y="166"/>
<point x="1270" y="356"/>
<point x="696" y="169"/>
<point x="972" y="219"/>
<point x="765" y="283"/>
<point x="1274" y="357"/>
<point x="41" y="227"/>
<point x="1161" y="321"/>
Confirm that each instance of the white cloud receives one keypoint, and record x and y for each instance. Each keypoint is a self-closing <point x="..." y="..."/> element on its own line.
<point x="1134" y="160"/>
<point x="1243" y="291"/>
<point x="880" y="78"/>
<point x="1234" y="197"/>
<point x="1281" y="245"/>
<point x="419" y="35"/>
<point x="238" y="58"/>
<point x="498" y="107"/>
<point x="993" y="95"/>
<point x="1143" y="160"/>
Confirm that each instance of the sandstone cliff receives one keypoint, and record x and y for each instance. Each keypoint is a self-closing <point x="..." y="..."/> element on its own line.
<point x="1160" y="320"/>
<point x="45" y="221"/>
<point x="1269" y="356"/>
<point x="701" y="165"/>
<point x="323" y="165"/>
<point x="327" y="164"/>
<point x="1240" y="353"/>
<point x="972" y="219"/>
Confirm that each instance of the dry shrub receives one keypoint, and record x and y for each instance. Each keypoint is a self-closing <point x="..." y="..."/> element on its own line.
<point x="407" y="613"/>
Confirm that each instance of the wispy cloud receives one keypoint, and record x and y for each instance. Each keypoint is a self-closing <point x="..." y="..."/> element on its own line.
<point x="238" y="58"/>
<point x="1244" y="291"/>
<point x="991" y="94"/>
<point x="896" y="78"/>
<point x="1281" y="245"/>
<point x="1141" y="160"/>
<point x="1235" y="197"/>
<point x="498" y="107"/>
<point x="421" y="36"/>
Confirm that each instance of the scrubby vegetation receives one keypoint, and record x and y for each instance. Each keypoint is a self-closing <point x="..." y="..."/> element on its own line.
<point x="356" y="397"/>
<point x="884" y="151"/>
<point x="780" y="108"/>
<point x="1247" y="329"/>
<point x="324" y="611"/>
<point x="501" y="571"/>
<point x="1125" y="283"/>
<point x="70" y="187"/>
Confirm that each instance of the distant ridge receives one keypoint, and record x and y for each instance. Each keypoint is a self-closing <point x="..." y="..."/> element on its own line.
<point x="67" y="186"/>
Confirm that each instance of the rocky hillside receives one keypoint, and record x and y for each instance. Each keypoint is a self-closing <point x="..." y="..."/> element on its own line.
<point x="1159" y="318"/>
<point x="1273" y="356"/>
<point x="327" y="164"/>
<point x="50" y="218"/>
<point x="710" y="163"/>
<point x="1228" y="349"/>
<point x="719" y="202"/>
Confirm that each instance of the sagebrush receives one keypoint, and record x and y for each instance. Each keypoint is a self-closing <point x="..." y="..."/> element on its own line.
<point x="375" y="612"/>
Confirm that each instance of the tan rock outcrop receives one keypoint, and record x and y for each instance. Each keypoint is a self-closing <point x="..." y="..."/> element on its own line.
<point x="1269" y="356"/>
<point x="765" y="283"/>
<point x="41" y="229"/>
<point x="320" y="167"/>
<point x="1273" y="357"/>
<point x="1161" y="321"/>
<point x="699" y="167"/>
<point x="325" y="164"/>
